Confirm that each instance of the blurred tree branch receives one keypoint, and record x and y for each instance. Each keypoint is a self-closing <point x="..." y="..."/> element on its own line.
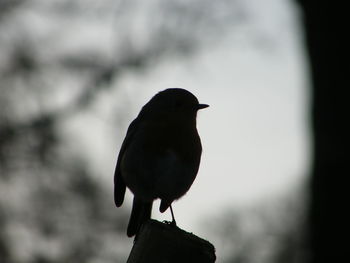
<point x="268" y="231"/>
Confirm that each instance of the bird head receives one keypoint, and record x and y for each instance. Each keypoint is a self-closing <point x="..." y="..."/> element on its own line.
<point x="173" y="104"/>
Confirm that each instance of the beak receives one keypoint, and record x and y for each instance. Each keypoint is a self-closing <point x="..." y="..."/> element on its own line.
<point x="202" y="106"/>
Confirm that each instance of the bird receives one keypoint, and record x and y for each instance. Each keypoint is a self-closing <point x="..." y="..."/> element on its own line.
<point x="160" y="155"/>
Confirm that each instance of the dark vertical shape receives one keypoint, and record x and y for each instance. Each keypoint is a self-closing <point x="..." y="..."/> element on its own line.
<point x="327" y="35"/>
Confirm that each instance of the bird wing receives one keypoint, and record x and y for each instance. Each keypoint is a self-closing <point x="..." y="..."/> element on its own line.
<point x="119" y="184"/>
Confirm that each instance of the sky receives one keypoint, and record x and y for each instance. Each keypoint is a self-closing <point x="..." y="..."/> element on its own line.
<point x="254" y="134"/>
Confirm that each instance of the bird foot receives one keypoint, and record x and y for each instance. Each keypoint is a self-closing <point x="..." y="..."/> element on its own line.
<point x="170" y="223"/>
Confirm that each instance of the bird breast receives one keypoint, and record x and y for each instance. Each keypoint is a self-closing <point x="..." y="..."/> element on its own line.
<point x="154" y="167"/>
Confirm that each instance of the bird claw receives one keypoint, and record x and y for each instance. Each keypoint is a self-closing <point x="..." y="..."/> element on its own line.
<point x="170" y="223"/>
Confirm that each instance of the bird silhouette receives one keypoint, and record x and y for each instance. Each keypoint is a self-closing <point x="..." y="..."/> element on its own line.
<point x="160" y="155"/>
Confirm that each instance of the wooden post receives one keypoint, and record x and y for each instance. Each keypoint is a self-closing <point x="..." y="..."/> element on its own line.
<point x="161" y="242"/>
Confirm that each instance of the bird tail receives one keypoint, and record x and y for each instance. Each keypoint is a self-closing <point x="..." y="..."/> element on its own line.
<point x="140" y="213"/>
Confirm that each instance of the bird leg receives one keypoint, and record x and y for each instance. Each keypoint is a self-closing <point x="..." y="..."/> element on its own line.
<point x="173" y="222"/>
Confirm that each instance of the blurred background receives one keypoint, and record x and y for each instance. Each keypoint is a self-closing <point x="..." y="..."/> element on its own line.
<point x="74" y="74"/>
